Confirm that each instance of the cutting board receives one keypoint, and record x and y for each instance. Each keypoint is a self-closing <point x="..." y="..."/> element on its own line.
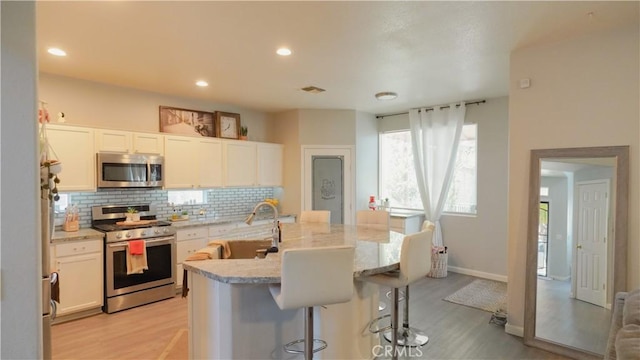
<point x="141" y="222"/>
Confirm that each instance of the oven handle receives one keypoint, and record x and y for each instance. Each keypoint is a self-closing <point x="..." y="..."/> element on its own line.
<point x="147" y="242"/>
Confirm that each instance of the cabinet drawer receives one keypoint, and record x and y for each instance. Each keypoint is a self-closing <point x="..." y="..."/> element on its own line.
<point x="220" y="230"/>
<point x="188" y="247"/>
<point x="397" y="222"/>
<point x="79" y="247"/>
<point x="191" y="233"/>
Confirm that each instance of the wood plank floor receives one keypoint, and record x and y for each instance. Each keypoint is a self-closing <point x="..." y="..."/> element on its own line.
<point x="455" y="331"/>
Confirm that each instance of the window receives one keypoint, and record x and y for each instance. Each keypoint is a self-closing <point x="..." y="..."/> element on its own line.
<point x="61" y="205"/>
<point x="186" y="197"/>
<point x="398" y="179"/>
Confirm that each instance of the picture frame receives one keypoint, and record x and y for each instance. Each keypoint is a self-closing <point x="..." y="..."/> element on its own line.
<point x="227" y="125"/>
<point x="180" y="121"/>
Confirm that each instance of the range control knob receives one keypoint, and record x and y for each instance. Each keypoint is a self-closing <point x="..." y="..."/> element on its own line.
<point x="128" y="234"/>
<point x="144" y="233"/>
<point x="156" y="231"/>
<point x="119" y="235"/>
<point x="165" y="230"/>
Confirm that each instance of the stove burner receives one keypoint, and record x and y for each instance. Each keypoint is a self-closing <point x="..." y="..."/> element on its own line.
<point x="115" y="227"/>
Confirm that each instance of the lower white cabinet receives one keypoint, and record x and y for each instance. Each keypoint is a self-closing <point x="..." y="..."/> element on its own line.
<point x="79" y="267"/>
<point x="406" y="224"/>
<point x="189" y="241"/>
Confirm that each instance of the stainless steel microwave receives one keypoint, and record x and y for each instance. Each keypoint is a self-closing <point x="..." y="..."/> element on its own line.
<point x="130" y="170"/>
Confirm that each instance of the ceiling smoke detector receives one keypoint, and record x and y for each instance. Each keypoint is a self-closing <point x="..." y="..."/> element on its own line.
<point x="387" y="95"/>
<point x="313" y="89"/>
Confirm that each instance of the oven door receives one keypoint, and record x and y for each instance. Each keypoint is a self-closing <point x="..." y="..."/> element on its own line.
<point x="161" y="260"/>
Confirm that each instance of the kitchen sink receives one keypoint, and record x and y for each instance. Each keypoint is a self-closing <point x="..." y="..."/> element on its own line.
<point x="248" y="249"/>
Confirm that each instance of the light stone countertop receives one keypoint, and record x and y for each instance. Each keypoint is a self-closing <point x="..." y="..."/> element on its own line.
<point x="195" y="221"/>
<point x="401" y="213"/>
<point x="377" y="251"/>
<point x="60" y="236"/>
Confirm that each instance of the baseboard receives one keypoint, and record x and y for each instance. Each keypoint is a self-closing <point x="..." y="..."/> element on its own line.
<point x="561" y="278"/>
<point x="514" y="330"/>
<point x="476" y="273"/>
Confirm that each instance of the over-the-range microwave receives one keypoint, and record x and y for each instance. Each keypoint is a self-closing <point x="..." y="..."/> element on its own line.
<point x="130" y="170"/>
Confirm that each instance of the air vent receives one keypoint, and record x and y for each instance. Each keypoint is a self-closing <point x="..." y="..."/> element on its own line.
<point x="313" y="89"/>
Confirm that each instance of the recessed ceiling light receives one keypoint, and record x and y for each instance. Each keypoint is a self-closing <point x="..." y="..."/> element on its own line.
<point x="56" y="52"/>
<point x="202" y="83"/>
<point x="283" y="52"/>
<point x="387" y="95"/>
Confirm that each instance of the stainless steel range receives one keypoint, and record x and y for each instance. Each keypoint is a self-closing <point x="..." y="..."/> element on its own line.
<point x="124" y="291"/>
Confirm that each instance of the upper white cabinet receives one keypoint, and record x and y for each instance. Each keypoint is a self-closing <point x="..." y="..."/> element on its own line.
<point x="209" y="162"/>
<point x="240" y="161"/>
<point x="180" y="162"/>
<point x="128" y="142"/>
<point x="269" y="164"/>
<point x="74" y="148"/>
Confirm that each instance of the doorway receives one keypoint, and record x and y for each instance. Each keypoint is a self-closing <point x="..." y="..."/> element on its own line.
<point x="543" y="238"/>
<point x="328" y="181"/>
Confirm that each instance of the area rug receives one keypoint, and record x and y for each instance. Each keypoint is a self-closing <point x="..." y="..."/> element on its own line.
<point x="178" y="348"/>
<point x="482" y="294"/>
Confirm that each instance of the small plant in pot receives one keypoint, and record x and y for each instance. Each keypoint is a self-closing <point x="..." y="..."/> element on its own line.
<point x="184" y="214"/>
<point x="243" y="132"/>
<point x="132" y="215"/>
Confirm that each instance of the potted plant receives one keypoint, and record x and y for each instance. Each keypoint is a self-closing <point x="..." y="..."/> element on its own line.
<point x="184" y="215"/>
<point x="243" y="132"/>
<point x="132" y="215"/>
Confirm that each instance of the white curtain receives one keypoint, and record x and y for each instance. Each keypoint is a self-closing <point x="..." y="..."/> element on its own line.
<point x="435" y="135"/>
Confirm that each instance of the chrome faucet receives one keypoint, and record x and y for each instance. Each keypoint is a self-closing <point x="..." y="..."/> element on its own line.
<point x="275" y="232"/>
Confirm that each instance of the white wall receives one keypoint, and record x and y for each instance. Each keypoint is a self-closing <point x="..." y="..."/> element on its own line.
<point x="557" y="265"/>
<point x="20" y="304"/>
<point x="113" y="107"/>
<point x="478" y="244"/>
<point x="284" y="129"/>
<point x="327" y="127"/>
<point x="366" y="159"/>
<point x="584" y="92"/>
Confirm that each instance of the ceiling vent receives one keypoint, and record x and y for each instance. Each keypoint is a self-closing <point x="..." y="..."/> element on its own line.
<point x="313" y="89"/>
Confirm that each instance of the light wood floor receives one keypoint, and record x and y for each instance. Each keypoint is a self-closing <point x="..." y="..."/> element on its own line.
<point x="569" y="321"/>
<point x="455" y="331"/>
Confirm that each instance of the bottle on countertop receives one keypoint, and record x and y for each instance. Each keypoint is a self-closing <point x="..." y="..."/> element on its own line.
<point x="372" y="202"/>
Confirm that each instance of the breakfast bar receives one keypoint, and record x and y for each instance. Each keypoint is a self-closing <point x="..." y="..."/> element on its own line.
<point x="233" y="315"/>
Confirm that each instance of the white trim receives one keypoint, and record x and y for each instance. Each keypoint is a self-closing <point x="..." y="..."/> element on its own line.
<point x="514" y="330"/>
<point x="476" y="273"/>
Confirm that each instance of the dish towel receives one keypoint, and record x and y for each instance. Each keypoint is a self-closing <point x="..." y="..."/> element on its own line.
<point x="136" y="263"/>
<point x="226" y="249"/>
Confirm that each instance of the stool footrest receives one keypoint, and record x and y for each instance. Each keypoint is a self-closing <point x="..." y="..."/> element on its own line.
<point x="375" y="321"/>
<point x="288" y="347"/>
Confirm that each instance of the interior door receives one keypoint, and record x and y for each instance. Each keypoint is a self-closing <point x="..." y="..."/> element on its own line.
<point x="591" y="247"/>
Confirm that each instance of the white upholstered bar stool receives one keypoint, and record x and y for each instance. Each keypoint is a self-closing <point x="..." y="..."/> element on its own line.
<point x="315" y="216"/>
<point x="313" y="277"/>
<point x="378" y="219"/>
<point x="415" y="263"/>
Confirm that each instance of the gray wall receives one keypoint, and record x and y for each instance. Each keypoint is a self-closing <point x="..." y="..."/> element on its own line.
<point x="20" y="307"/>
<point x="366" y="159"/>
<point x="558" y="265"/>
<point x="478" y="244"/>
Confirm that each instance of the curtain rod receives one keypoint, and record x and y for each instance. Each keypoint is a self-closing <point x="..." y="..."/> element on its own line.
<point x="433" y="107"/>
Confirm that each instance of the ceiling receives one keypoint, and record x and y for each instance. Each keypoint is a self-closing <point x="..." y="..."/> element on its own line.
<point x="430" y="53"/>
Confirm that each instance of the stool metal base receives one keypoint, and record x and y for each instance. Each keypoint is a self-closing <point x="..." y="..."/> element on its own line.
<point x="289" y="347"/>
<point x="382" y="305"/>
<point x="400" y="298"/>
<point x="409" y="337"/>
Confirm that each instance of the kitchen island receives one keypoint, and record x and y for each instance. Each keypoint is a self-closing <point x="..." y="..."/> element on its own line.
<point x="233" y="316"/>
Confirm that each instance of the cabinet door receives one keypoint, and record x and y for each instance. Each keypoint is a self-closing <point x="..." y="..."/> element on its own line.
<point x="148" y="144"/>
<point x="113" y="141"/>
<point x="183" y="250"/>
<point x="180" y="162"/>
<point x="269" y="164"/>
<point x="80" y="282"/>
<point x="239" y="163"/>
<point x="210" y="163"/>
<point x="74" y="146"/>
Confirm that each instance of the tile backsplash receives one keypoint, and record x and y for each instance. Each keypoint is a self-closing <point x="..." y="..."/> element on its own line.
<point x="220" y="203"/>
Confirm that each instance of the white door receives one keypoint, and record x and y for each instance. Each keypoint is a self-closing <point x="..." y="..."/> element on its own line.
<point x="310" y="153"/>
<point x="591" y="246"/>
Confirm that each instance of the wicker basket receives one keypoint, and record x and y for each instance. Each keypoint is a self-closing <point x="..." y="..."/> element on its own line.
<point x="438" y="265"/>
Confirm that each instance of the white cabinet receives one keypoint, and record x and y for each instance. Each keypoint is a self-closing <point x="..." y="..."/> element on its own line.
<point x="269" y="164"/>
<point x="209" y="162"/>
<point x="180" y="162"/>
<point x="240" y="163"/>
<point x="80" y="270"/>
<point x="406" y="224"/>
<point x="128" y="142"/>
<point x="74" y="147"/>
<point x="189" y="241"/>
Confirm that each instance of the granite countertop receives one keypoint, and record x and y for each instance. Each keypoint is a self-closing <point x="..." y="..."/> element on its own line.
<point x="196" y="221"/>
<point x="377" y="251"/>
<point x="60" y="236"/>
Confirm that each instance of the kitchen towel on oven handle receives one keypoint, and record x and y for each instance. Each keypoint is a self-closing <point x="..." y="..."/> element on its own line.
<point x="136" y="264"/>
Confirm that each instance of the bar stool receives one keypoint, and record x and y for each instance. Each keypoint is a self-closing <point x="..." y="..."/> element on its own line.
<point x="313" y="277"/>
<point x="415" y="263"/>
<point x="378" y="219"/>
<point x="315" y="216"/>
